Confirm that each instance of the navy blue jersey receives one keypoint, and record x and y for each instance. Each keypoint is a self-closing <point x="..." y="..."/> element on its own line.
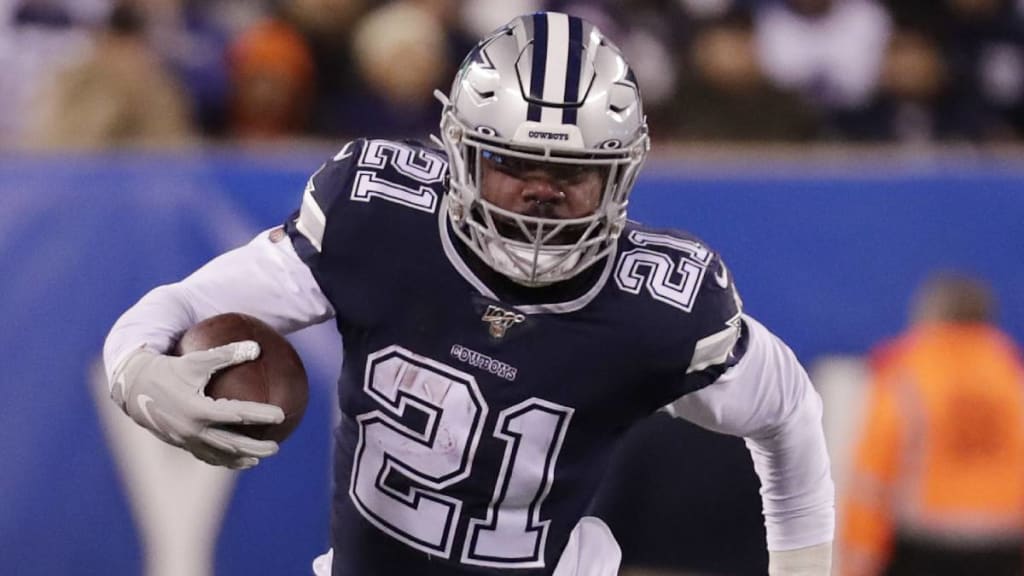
<point x="478" y="415"/>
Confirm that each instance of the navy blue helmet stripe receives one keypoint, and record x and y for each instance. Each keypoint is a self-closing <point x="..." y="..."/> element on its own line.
<point x="540" y="61"/>
<point x="572" y="75"/>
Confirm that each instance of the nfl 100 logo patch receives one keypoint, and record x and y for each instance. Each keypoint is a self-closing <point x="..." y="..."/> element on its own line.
<point x="500" y="320"/>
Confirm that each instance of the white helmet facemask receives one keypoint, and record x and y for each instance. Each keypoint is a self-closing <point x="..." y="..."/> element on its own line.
<point x="548" y="91"/>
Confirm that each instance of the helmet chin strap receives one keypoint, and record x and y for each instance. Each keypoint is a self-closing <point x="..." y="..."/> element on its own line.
<point x="503" y="261"/>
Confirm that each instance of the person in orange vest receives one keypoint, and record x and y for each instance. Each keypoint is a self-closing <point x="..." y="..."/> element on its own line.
<point x="938" y="477"/>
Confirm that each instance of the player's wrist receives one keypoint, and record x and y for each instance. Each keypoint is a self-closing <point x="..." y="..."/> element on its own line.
<point x="125" y="373"/>
<point x="809" y="561"/>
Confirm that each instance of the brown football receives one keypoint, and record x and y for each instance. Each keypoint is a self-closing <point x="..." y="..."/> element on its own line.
<point x="275" y="377"/>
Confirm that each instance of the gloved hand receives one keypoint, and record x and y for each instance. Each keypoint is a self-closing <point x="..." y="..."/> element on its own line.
<point x="164" y="394"/>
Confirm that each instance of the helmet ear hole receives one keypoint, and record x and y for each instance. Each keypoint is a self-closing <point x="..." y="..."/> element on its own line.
<point x="621" y="98"/>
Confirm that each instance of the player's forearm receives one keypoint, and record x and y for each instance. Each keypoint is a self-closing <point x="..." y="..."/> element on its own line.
<point x="154" y="322"/>
<point x="796" y="484"/>
<point x="789" y="452"/>
<point x="264" y="278"/>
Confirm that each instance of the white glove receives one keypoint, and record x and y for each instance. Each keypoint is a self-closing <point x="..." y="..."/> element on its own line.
<point x="164" y="394"/>
<point x="810" y="561"/>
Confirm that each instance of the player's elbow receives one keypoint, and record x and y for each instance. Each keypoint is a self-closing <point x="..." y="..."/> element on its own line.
<point x="802" y="411"/>
<point x="153" y="321"/>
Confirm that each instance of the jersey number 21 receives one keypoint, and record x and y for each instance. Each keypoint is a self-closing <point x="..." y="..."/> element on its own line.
<point x="401" y="470"/>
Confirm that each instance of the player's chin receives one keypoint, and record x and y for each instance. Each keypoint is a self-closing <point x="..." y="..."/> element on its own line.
<point x="511" y="230"/>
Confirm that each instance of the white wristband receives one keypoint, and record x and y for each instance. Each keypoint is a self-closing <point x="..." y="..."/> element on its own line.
<point x="810" y="561"/>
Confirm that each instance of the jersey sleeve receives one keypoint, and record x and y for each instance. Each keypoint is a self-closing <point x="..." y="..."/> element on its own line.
<point x="352" y="205"/>
<point x="720" y="335"/>
<point x="324" y="191"/>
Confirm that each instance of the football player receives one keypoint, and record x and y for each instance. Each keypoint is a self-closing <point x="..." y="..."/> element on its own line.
<point x="503" y="325"/>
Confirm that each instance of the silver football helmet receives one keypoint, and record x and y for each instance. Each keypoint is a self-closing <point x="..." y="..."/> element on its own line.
<point x="546" y="88"/>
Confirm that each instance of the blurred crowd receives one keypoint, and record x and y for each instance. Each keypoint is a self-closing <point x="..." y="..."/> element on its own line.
<point x="96" y="73"/>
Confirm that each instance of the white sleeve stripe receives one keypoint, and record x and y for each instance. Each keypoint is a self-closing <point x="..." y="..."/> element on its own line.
<point x="311" y="222"/>
<point x="715" y="349"/>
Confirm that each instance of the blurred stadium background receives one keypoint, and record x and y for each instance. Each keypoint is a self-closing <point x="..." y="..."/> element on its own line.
<point x="836" y="151"/>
